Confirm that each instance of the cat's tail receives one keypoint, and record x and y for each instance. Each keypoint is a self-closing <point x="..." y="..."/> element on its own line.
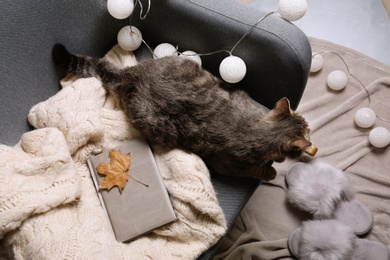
<point x="77" y="66"/>
<point x="61" y="56"/>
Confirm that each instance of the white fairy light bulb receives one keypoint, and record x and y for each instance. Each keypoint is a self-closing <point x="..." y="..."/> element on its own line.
<point x="120" y="9"/>
<point x="292" y="10"/>
<point x="379" y="137"/>
<point x="232" y="69"/>
<point x="129" y="39"/>
<point x="365" y="117"/>
<point x="164" y="49"/>
<point x="337" y="80"/>
<point x="317" y="62"/>
<point x="191" y="55"/>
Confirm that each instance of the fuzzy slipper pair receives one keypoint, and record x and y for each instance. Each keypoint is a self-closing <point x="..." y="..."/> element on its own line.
<point x="325" y="191"/>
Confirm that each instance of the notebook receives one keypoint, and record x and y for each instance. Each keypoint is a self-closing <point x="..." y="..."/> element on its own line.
<point x="144" y="203"/>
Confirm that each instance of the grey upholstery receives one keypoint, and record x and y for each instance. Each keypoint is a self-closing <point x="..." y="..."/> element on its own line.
<point x="277" y="55"/>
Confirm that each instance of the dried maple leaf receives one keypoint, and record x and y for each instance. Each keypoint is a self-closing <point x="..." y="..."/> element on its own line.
<point x="115" y="171"/>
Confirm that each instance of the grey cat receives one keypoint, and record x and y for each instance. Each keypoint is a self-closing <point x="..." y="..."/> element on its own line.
<point x="175" y="103"/>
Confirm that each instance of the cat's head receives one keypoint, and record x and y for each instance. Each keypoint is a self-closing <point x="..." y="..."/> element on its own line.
<point x="291" y="131"/>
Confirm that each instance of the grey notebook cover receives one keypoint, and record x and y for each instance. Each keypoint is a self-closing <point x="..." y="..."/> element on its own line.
<point x="139" y="209"/>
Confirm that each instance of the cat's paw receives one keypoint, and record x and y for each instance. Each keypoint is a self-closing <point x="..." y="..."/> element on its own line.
<point x="268" y="173"/>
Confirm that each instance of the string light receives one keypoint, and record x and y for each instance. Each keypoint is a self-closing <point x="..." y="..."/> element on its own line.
<point x="379" y="137"/>
<point x="316" y="63"/>
<point x="232" y="68"/>
<point x="163" y="50"/>
<point x="292" y="10"/>
<point x="364" y="117"/>
<point x="191" y="55"/>
<point x="129" y="38"/>
<point x="337" y="80"/>
<point x="120" y="9"/>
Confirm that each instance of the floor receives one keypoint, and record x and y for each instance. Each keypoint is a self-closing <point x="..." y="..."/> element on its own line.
<point x="358" y="24"/>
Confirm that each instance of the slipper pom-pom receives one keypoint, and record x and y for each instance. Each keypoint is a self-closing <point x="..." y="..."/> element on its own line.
<point x="317" y="187"/>
<point x="325" y="239"/>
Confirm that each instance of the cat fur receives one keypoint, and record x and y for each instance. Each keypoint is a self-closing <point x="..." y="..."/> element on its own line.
<point x="175" y="103"/>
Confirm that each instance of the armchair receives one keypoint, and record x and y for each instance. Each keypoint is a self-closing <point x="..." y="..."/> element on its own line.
<point x="277" y="55"/>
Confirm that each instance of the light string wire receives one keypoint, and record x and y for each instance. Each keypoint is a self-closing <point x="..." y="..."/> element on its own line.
<point x="142" y="17"/>
<point x="353" y="76"/>
<point x="252" y="29"/>
<point x="239" y="41"/>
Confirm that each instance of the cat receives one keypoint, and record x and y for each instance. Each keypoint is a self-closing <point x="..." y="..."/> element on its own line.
<point x="175" y="103"/>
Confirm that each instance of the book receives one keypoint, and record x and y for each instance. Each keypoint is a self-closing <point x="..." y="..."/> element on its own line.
<point x="144" y="203"/>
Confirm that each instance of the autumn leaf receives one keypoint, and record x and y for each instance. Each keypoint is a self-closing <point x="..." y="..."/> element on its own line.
<point x="115" y="171"/>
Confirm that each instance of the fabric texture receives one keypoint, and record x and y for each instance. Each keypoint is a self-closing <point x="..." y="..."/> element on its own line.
<point x="263" y="226"/>
<point x="36" y="176"/>
<point x="47" y="174"/>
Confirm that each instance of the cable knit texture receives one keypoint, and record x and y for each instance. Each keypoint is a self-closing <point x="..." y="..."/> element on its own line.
<point x="47" y="198"/>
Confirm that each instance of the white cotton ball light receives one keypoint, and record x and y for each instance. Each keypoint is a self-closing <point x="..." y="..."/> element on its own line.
<point x="120" y="9"/>
<point x="292" y="10"/>
<point x="379" y="137"/>
<point x="191" y="55"/>
<point x="365" y="117"/>
<point x="232" y="69"/>
<point x="129" y="39"/>
<point x="317" y="62"/>
<point x="163" y="50"/>
<point x="337" y="80"/>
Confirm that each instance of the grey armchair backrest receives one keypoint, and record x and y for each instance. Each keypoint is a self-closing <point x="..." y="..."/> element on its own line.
<point x="277" y="55"/>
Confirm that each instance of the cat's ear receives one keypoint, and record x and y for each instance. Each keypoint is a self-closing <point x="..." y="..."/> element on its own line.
<point x="282" y="107"/>
<point x="301" y="144"/>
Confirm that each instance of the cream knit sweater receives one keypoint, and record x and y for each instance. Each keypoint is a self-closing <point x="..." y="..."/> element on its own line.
<point x="48" y="205"/>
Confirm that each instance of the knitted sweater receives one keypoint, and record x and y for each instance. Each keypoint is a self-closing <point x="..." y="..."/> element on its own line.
<point x="48" y="204"/>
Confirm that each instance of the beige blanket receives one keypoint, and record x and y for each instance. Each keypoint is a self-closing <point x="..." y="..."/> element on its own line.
<point x="49" y="208"/>
<point x="262" y="228"/>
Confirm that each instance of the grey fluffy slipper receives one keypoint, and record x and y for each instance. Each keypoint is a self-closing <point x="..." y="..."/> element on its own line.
<point x="332" y="240"/>
<point x="326" y="192"/>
